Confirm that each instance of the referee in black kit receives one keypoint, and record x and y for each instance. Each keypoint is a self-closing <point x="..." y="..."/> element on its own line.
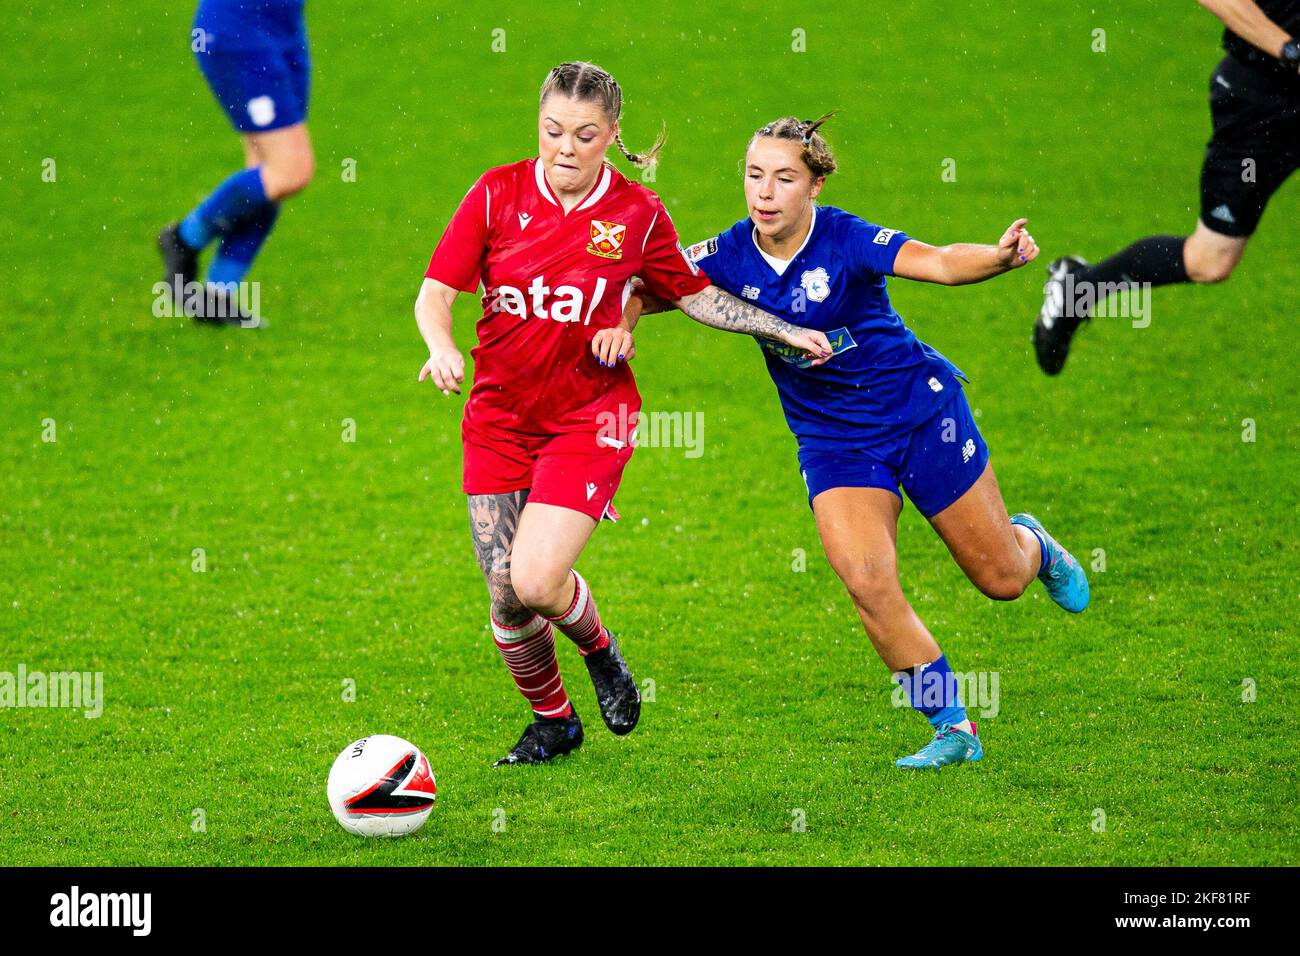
<point x="1255" y="109"/>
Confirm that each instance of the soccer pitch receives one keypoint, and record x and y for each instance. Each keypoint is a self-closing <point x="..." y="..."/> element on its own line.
<point x="182" y="514"/>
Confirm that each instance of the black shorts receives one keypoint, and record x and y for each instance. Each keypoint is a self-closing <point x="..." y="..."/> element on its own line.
<point x="1255" y="146"/>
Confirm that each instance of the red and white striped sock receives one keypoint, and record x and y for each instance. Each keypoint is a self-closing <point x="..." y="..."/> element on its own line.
<point x="581" y="622"/>
<point x="529" y="651"/>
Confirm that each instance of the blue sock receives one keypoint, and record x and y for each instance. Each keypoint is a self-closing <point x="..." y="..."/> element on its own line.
<point x="239" y="246"/>
<point x="1042" y="548"/>
<point x="932" y="689"/>
<point x="238" y="197"/>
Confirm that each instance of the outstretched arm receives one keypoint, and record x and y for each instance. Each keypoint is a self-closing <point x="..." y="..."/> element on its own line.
<point x="721" y="310"/>
<point x="1248" y="21"/>
<point x="964" y="262"/>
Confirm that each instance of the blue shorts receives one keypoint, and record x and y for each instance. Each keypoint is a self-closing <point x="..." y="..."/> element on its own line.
<point x="935" y="463"/>
<point x="260" y="90"/>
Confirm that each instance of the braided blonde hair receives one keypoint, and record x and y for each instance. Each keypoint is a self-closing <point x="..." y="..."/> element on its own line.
<point x="587" y="82"/>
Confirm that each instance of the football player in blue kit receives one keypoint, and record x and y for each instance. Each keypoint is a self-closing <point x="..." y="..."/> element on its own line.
<point x="253" y="54"/>
<point x="885" y="413"/>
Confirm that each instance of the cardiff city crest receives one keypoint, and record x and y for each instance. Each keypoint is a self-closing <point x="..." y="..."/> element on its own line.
<point x="816" y="284"/>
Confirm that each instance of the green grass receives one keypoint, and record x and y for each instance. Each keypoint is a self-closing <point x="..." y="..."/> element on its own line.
<point x="330" y="561"/>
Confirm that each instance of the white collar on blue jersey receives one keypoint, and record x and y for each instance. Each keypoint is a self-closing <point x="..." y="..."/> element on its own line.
<point x="780" y="265"/>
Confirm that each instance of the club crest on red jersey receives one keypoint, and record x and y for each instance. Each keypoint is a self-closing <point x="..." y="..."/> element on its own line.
<point x="607" y="239"/>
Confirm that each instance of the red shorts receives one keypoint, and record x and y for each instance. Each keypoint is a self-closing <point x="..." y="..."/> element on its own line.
<point x="575" y="470"/>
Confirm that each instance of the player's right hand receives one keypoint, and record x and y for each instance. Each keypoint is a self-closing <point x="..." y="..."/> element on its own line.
<point x="446" y="366"/>
<point x="610" y="346"/>
<point x="816" y="347"/>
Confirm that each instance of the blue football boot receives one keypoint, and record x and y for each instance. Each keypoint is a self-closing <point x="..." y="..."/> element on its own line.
<point x="949" y="746"/>
<point x="1063" y="575"/>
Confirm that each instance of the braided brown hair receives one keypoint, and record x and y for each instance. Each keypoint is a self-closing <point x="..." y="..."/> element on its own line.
<point x="588" y="83"/>
<point x="817" y="155"/>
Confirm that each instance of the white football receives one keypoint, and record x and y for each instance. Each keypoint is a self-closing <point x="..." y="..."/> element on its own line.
<point x="381" y="786"/>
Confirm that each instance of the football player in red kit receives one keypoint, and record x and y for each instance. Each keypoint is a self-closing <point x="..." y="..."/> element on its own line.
<point x="555" y="242"/>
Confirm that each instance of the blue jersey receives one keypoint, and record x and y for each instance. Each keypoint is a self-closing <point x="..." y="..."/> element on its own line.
<point x="882" y="380"/>
<point x="231" y="25"/>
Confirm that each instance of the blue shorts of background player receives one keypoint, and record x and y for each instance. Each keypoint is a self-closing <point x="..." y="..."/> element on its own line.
<point x="260" y="90"/>
<point x="253" y="55"/>
<point x="935" y="463"/>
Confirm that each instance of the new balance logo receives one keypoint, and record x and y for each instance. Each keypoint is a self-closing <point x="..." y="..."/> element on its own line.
<point x="524" y="220"/>
<point x="749" y="292"/>
<point x="968" y="450"/>
<point x="591" y="490"/>
<point x="1223" y="213"/>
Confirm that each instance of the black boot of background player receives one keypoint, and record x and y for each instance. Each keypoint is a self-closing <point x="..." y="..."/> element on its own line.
<point x="220" y="306"/>
<point x="545" y="739"/>
<point x="180" y="262"/>
<point x="1058" y="319"/>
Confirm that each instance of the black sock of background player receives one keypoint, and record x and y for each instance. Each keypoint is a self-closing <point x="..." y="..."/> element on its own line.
<point x="1155" y="259"/>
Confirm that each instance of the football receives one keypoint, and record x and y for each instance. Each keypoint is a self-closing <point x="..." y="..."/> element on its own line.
<point x="381" y="786"/>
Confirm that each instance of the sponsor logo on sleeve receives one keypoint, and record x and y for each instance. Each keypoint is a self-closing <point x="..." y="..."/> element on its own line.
<point x="702" y="249"/>
<point x="690" y="263"/>
<point x="883" y="236"/>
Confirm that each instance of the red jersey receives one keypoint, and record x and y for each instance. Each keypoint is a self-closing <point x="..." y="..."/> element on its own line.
<point x="550" y="281"/>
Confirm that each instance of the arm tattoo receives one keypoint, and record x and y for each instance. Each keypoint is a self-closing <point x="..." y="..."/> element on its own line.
<point x="721" y="310"/>
<point x="493" y="520"/>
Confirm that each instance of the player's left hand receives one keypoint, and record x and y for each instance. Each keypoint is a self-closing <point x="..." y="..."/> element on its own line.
<point x="812" y="342"/>
<point x="610" y="346"/>
<point x="1017" y="247"/>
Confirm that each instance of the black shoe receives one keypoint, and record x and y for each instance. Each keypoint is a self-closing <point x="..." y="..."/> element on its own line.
<point x="216" y="305"/>
<point x="1057" y="321"/>
<point x="545" y="739"/>
<point x="616" y="691"/>
<point x="180" y="262"/>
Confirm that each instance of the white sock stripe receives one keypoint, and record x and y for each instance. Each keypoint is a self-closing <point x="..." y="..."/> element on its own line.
<point x="529" y="653"/>
<point x="529" y="668"/>
<point x="585" y="639"/>
<point x="581" y="599"/>
<point x="523" y="645"/>
<point x="557" y="711"/>
<point x="513" y="635"/>
<point x="588" y="626"/>
<point x="532" y="664"/>
<point x="541" y="690"/>
<point x="543" y="655"/>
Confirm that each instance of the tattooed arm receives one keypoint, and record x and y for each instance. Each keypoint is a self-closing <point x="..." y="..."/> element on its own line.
<point x="721" y="310"/>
